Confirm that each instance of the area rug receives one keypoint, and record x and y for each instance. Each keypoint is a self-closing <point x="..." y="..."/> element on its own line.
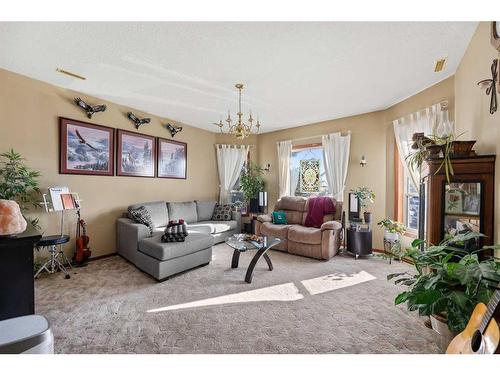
<point x="302" y="306"/>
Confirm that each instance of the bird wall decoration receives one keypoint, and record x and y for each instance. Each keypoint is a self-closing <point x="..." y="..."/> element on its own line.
<point x="173" y="129"/>
<point x="90" y="109"/>
<point x="138" y="121"/>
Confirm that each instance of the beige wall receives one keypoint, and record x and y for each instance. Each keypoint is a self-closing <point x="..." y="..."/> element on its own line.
<point x="30" y="110"/>
<point x="367" y="138"/>
<point x="472" y="105"/>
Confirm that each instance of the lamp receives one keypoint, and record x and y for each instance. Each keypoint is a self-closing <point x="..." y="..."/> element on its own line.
<point x="262" y="201"/>
<point x="362" y="162"/>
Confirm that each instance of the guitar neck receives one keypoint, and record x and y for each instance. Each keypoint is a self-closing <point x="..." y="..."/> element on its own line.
<point x="492" y="305"/>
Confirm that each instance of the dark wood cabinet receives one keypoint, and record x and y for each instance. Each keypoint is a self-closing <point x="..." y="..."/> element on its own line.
<point x="17" y="292"/>
<point x="466" y="201"/>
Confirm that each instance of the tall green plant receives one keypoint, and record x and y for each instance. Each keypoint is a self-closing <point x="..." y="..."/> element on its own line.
<point x="252" y="181"/>
<point x="447" y="280"/>
<point x="18" y="182"/>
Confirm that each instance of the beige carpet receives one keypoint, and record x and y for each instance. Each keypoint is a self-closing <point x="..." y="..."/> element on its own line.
<point x="303" y="306"/>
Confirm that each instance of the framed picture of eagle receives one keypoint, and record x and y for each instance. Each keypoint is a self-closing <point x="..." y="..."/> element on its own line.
<point x="136" y="154"/>
<point x="172" y="159"/>
<point x="85" y="148"/>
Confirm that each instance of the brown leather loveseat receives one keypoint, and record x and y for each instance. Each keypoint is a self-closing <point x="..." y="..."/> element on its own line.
<point x="319" y="243"/>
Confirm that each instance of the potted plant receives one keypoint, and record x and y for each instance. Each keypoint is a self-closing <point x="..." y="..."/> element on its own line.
<point x="447" y="281"/>
<point x="19" y="183"/>
<point x="393" y="229"/>
<point x="252" y="182"/>
<point x="364" y="196"/>
<point x="433" y="146"/>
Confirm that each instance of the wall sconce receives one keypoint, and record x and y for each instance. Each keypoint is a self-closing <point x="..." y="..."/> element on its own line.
<point x="267" y="168"/>
<point x="362" y="162"/>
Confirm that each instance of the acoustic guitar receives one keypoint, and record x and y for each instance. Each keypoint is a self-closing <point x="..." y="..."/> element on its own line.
<point x="481" y="336"/>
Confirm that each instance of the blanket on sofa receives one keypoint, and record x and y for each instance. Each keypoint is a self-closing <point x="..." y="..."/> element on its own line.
<point x="317" y="209"/>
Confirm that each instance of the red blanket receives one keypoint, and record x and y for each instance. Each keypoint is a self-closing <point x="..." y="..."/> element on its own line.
<point x="317" y="209"/>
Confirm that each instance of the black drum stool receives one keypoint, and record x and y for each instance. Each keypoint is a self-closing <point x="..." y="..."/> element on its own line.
<point x="53" y="264"/>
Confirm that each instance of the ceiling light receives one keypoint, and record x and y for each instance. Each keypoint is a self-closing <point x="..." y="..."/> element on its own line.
<point x="439" y="65"/>
<point x="74" y="75"/>
<point x="239" y="129"/>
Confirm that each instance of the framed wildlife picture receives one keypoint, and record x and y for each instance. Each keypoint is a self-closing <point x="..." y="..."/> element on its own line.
<point x="85" y="148"/>
<point x="172" y="159"/>
<point x="135" y="154"/>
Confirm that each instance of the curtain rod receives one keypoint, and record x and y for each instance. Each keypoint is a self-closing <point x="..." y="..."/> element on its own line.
<point x="444" y="104"/>
<point x="312" y="137"/>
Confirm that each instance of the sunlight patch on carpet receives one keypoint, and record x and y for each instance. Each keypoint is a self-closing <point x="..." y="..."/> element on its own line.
<point x="336" y="280"/>
<point x="282" y="292"/>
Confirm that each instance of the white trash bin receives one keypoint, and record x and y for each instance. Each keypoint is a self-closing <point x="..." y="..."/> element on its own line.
<point x="29" y="334"/>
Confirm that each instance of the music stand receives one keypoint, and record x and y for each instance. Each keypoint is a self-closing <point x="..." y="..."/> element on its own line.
<point x="61" y="200"/>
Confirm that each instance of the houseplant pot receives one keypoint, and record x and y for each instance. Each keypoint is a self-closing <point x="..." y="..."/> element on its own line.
<point x="434" y="151"/>
<point x="439" y="324"/>
<point x="391" y="236"/>
<point x="368" y="217"/>
<point x="462" y="148"/>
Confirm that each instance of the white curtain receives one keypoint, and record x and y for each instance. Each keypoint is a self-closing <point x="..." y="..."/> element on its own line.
<point x="230" y="160"/>
<point x="336" y="158"/>
<point x="425" y="121"/>
<point x="284" y="156"/>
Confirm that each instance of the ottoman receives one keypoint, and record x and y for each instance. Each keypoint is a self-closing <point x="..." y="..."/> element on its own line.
<point x="164" y="259"/>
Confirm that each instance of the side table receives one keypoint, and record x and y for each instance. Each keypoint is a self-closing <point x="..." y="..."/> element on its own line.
<point x="359" y="242"/>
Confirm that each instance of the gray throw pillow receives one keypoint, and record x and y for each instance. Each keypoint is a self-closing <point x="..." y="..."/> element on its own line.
<point x="141" y="215"/>
<point x="205" y="210"/>
<point x="182" y="210"/>
<point x="223" y="212"/>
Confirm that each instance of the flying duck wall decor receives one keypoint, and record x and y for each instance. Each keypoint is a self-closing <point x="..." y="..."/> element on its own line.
<point x="173" y="129"/>
<point x="138" y="121"/>
<point x="90" y="109"/>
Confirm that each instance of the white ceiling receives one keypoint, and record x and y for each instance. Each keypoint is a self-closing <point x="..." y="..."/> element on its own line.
<point x="296" y="72"/>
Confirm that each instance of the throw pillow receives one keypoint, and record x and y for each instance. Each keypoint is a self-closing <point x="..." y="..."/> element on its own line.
<point x="279" y="217"/>
<point x="141" y="215"/>
<point x="223" y="212"/>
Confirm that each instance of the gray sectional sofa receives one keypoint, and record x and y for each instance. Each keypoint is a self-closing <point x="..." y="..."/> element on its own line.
<point x="162" y="260"/>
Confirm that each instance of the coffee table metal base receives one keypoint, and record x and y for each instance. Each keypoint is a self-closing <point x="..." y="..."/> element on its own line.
<point x="261" y="253"/>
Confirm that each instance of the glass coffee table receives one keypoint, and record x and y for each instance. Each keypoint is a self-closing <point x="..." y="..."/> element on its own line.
<point x="240" y="244"/>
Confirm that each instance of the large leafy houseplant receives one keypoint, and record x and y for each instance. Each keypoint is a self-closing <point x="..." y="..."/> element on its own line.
<point x="19" y="183"/>
<point x="447" y="280"/>
<point x="252" y="181"/>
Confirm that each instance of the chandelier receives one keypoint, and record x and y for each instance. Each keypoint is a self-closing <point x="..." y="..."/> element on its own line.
<point x="239" y="129"/>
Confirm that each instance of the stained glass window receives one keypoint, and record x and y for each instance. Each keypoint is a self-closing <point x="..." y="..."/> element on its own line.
<point x="309" y="176"/>
<point x="307" y="173"/>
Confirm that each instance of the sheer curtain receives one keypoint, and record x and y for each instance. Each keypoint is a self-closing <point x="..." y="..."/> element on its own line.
<point x="284" y="156"/>
<point x="336" y="158"/>
<point x="425" y="121"/>
<point x="230" y="160"/>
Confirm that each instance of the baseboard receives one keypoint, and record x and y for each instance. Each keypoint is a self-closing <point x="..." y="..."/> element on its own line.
<point x="91" y="259"/>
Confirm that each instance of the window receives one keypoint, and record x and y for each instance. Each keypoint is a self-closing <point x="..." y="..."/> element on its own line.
<point x="237" y="195"/>
<point x="406" y="197"/>
<point x="307" y="173"/>
<point x="411" y="205"/>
